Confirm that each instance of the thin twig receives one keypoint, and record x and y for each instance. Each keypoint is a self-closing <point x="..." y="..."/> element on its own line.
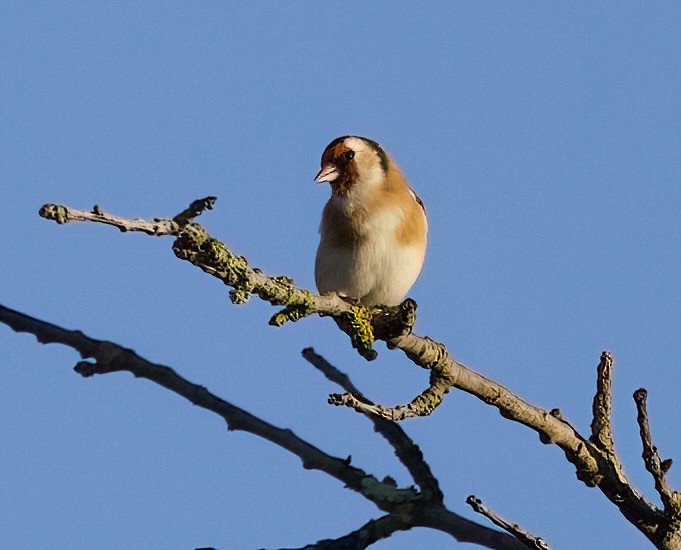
<point x="332" y="373"/>
<point x="524" y="536"/>
<point x="601" y="425"/>
<point x="422" y="405"/>
<point x="195" y="209"/>
<point x="651" y="458"/>
<point x="63" y="214"/>
<point x="406" y="450"/>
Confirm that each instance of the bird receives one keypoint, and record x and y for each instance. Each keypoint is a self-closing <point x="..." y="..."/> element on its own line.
<point x="374" y="230"/>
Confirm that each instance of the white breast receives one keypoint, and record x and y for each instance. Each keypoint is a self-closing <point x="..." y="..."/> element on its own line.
<point x="377" y="270"/>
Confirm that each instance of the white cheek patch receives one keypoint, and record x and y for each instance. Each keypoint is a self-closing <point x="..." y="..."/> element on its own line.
<point x="373" y="174"/>
<point x="370" y="177"/>
<point x="367" y="161"/>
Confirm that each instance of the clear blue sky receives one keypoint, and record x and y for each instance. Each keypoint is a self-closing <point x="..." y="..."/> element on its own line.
<point x="545" y="140"/>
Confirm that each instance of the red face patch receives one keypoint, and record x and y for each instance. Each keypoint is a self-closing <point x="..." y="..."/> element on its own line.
<point x="340" y="155"/>
<point x="334" y="153"/>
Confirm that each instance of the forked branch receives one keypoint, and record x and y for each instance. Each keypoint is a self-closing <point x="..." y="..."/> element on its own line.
<point x="594" y="458"/>
<point x="406" y="507"/>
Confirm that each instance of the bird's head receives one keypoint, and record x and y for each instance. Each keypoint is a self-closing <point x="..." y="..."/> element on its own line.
<point x="351" y="162"/>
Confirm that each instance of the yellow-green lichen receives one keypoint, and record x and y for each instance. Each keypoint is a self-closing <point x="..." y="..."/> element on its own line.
<point x="295" y="311"/>
<point x="357" y="320"/>
<point x="197" y="247"/>
<point x="54" y="212"/>
<point x="289" y="313"/>
<point x="239" y="295"/>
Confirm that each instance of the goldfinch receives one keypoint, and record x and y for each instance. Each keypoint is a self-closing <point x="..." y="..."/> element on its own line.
<point x="374" y="229"/>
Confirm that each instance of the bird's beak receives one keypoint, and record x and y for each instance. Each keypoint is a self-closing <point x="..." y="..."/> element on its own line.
<point x="328" y="173"/>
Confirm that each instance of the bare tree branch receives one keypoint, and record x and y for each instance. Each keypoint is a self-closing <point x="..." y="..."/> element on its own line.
<point x="62" y="214"/>
<point x="435" y="516"/>
<point x="524" y="536"/>
<point x="110" y="357"/>
<point x="671" y="500"/>
<point x="407" y="507"/>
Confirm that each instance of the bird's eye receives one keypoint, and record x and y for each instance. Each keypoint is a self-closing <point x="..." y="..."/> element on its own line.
<point x="349" y="155"/>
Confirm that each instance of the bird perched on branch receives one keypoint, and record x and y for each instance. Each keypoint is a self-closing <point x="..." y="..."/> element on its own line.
<point x="374" y="227"/>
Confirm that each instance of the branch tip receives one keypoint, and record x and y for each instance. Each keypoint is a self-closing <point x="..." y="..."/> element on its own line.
<point x="195" y="209"/>
<point x="55" y="212"/>
<point x="524" y="536"/>
<point x="657" y="467"/>
<point x="601" y="423"/>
